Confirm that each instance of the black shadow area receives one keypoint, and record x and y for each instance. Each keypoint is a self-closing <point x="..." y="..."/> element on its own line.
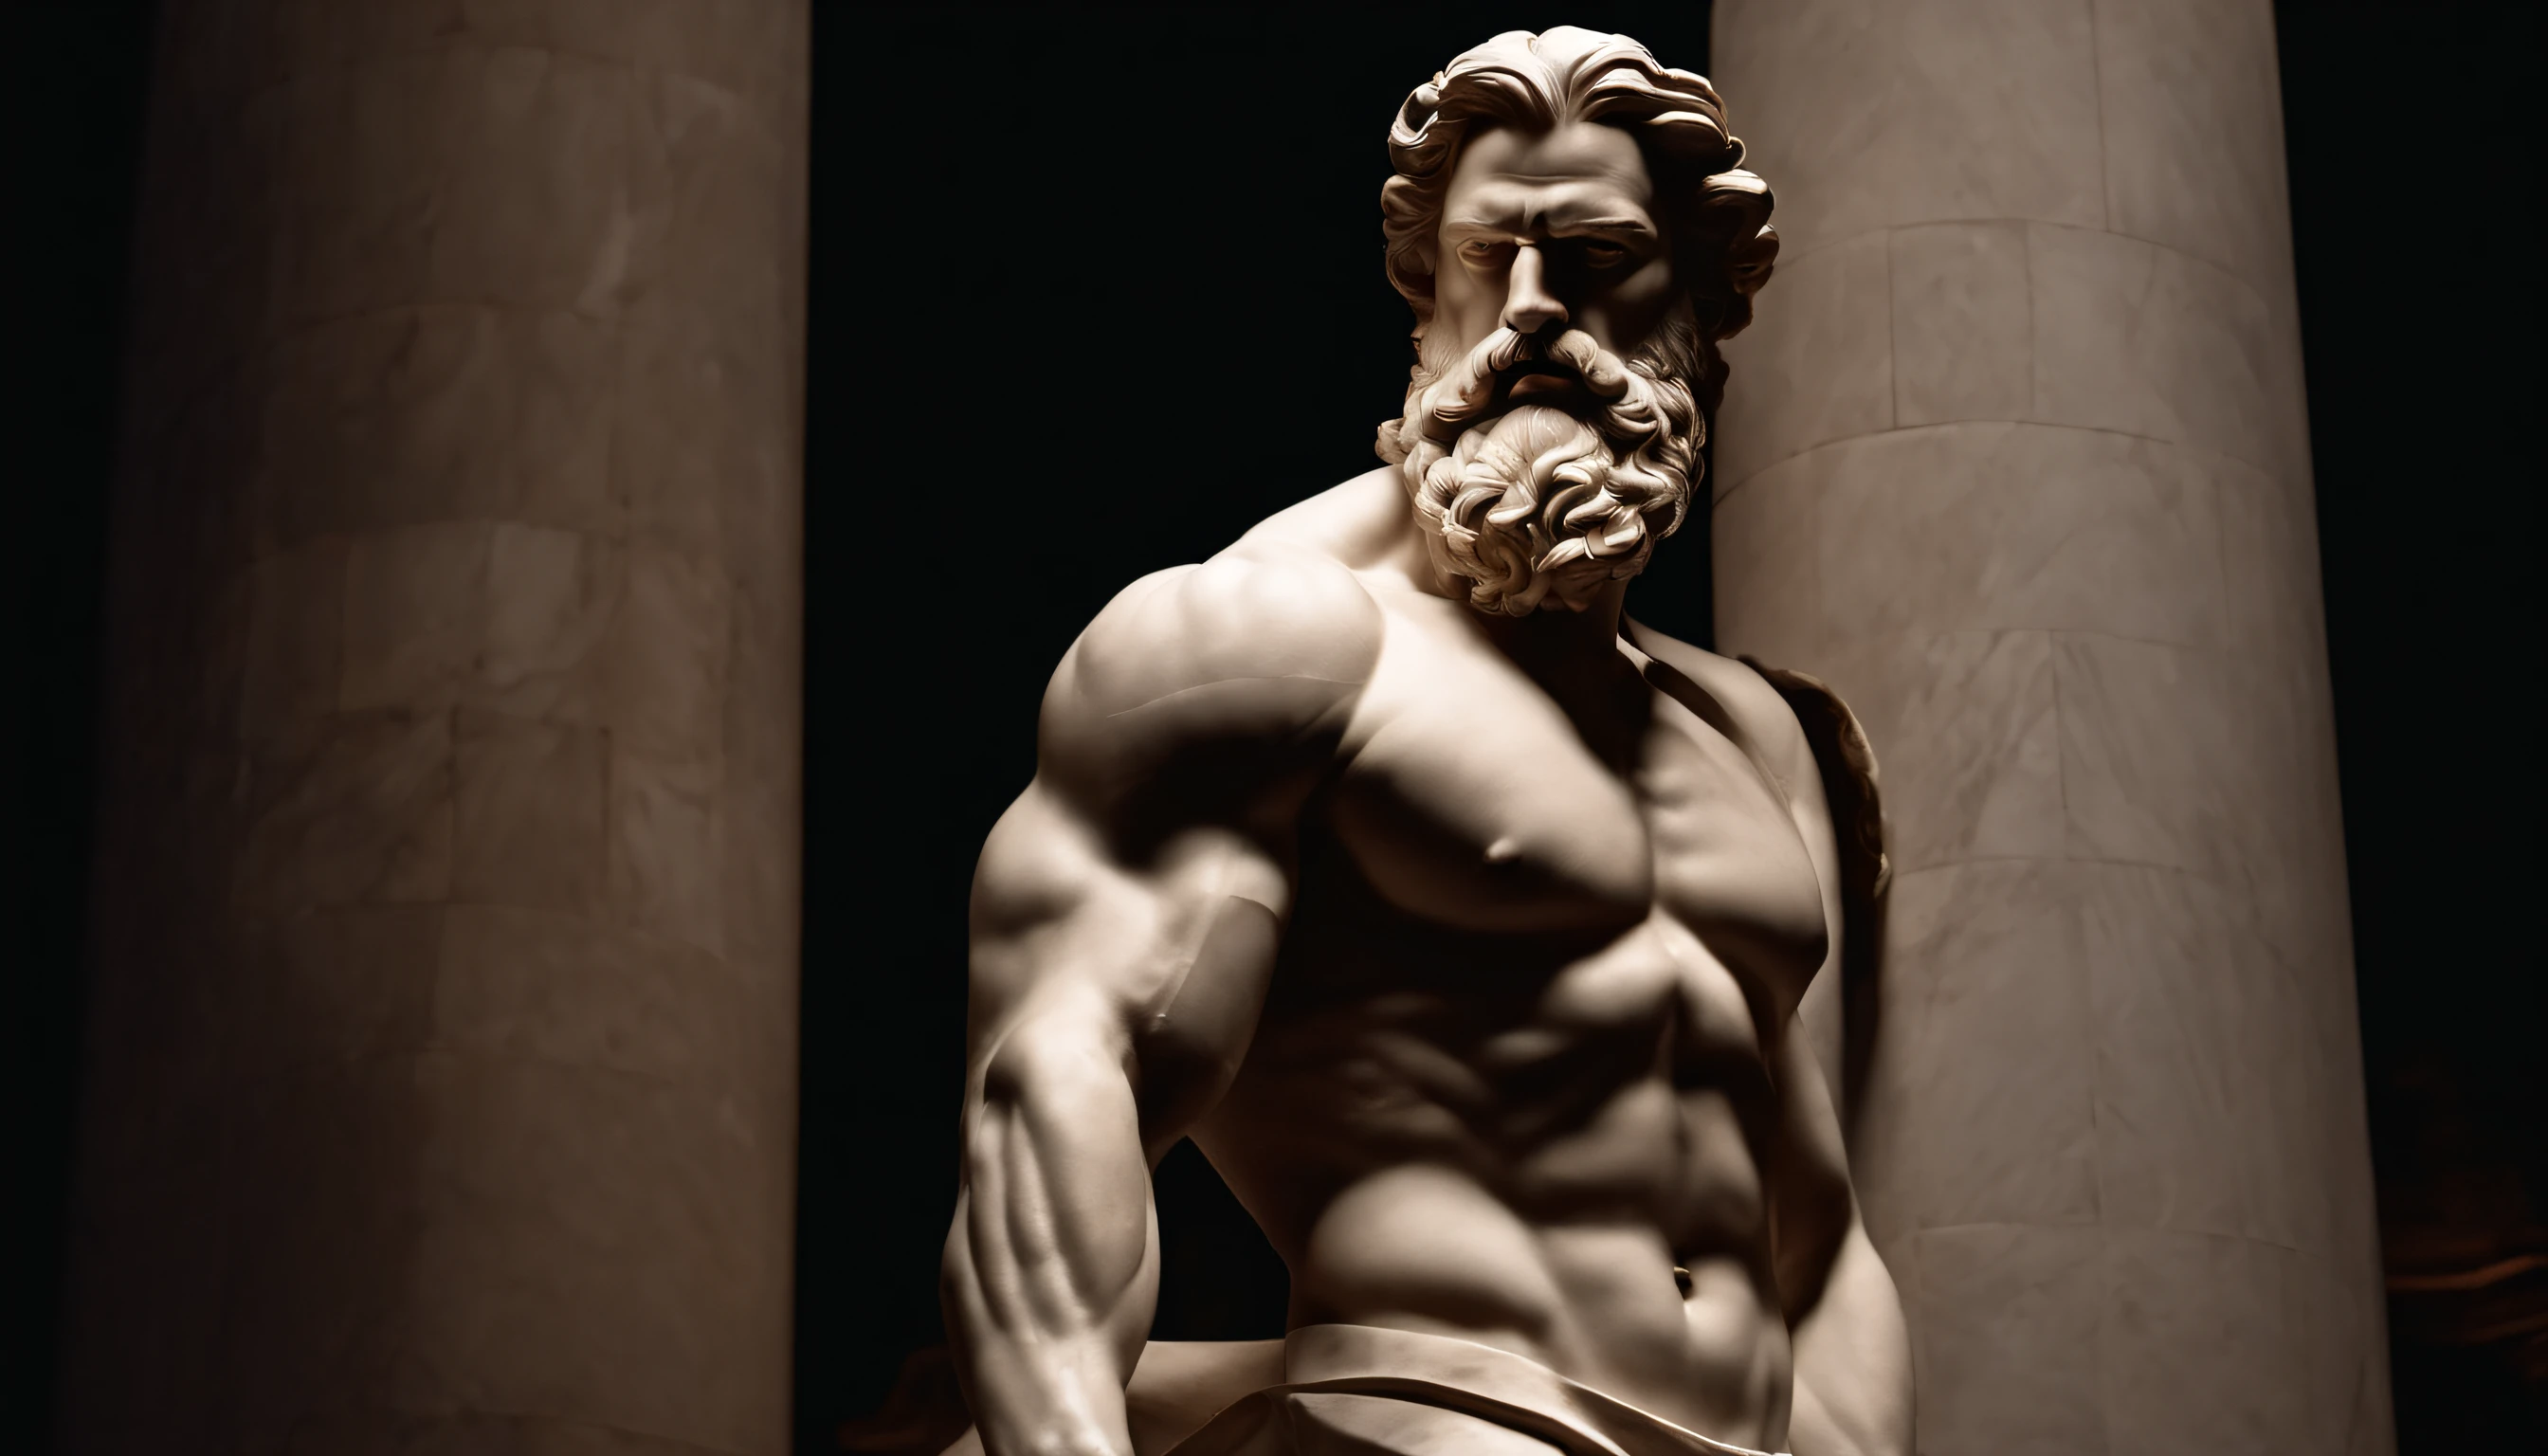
<point x="70" y="120"/>
<point x="2413" y="144"/>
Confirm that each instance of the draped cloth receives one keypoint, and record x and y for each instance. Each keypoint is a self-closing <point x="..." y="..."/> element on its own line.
<point x="1353" y="1389"/>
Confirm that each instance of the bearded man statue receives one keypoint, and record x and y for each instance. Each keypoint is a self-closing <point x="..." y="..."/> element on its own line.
<point x="1461" y="921"/>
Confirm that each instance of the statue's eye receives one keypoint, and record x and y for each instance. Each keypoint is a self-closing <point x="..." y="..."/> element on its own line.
<point x="1596" y="253"/>
<point x="1479" y="252"/>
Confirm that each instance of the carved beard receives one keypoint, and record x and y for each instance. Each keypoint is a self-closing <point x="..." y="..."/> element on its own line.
<point x="1536" y="508"/>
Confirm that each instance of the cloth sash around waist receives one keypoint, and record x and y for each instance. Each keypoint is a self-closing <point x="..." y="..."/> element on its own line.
<point x="1453" y="1375"/>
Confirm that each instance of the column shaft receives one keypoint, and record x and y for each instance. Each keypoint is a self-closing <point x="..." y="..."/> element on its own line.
<point x="2017" y="457"/>
<point x="440" y="1086"/>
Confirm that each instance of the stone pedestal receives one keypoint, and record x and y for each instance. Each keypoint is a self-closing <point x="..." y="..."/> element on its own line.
<point x="442" y="1088"/>
<point x="2017" y="457"/>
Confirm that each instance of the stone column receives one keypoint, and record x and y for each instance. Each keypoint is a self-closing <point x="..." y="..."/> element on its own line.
<point x="2017" y="457"/>
<point x="442" y="1088"/>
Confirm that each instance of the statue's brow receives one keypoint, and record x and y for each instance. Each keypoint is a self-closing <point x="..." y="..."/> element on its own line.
<point x="1558" y="215"/>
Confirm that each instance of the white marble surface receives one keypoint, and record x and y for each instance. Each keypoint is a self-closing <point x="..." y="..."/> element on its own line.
<point x="2176" y="1075"/>
<point x="1972" y="716"/>
<point x="2214" y="1343"/>
<point x="1921" y="110"/>
<point x="2146" y="739"/>
<point x="2194" y="133"/>
<point x="2009" y="1358"/>
<point x="1816" y="84"/>
<point x="1962" y="322"/>
<point x="1810" y="370"/>
<point x="1999" y="526"/>
<point x="2096" y="1338"/>
<point x="2012" y="321"/>
<point x="2211" y="1087"/>
<point x="2047" y="527"/>
<point x="1762" y="544"/>
<point x="2151" y="341"/>
<point x="1985" y="991"/>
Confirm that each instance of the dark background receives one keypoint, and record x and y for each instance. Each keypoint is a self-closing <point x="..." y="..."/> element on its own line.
<point x="1068" y="265"/>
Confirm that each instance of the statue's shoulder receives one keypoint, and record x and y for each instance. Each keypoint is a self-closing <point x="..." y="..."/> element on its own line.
<point x="1794" y="721"/>
<point x="1265" y="644"/>
<point x="1737" y="700"/>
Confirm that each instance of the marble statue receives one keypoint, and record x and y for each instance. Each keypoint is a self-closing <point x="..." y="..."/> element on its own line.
<point x="1459" y="920"/>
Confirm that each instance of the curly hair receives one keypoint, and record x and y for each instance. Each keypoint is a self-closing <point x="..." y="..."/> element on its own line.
<point x="1716" y="214"/>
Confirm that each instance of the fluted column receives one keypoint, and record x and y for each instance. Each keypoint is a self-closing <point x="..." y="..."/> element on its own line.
<point x="2017" y="457"/>
<point x="441" y="1072"/>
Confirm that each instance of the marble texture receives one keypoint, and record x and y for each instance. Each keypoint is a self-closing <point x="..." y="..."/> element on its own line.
<point x="2014" y="322"/>
<point x="2177" y="1303"/>
<point x="1818" y="79"/>
<point x="2208" y="1080"/>
<point x="414" y="613"/>
<point x="2151" y="341"/>
<point x="2066" y="572"/>
<point x="452" y="702"/>
<point x="2009" y="1318"/>
<point x="535" y="985"/>
<point x="1975" y="710"/>
<point x="530" y="817"/>
<point x="1866" y="116"/>
<point x="2194" y="133"/>
<point x="417" y="414"/>
<point x="1962" y="322"/>
<point x="1816" y="373"/>
<point x="553" y="603"/>
<point x="1991" y="525"/>
<point x="1762" y="541"/>
<point x="2146" y="736"/>
<point x="356" y="808"/>
<point x="664" y="832"/>
<point x="519" y="1160"/>
<point x="1985" y="989"/>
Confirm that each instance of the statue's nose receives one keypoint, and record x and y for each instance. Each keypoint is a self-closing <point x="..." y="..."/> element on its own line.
<point x="1528" y="304"/>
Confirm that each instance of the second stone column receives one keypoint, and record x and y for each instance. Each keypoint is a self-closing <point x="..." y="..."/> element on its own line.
<point x="2016" y="457"/>
<point x="441" y="1092"/>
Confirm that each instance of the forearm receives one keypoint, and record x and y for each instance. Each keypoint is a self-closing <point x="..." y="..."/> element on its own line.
<point x="1052" y="1265"/>
<point x="1853" y="1362"/>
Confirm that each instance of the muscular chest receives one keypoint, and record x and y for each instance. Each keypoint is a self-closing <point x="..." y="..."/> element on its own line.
<point x="1475" y="802"/>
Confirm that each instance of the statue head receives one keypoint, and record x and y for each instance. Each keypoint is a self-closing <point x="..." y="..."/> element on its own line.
<point x="1570" y="221"/>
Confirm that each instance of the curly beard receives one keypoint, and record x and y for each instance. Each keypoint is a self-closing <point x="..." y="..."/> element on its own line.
<point x="1536" y="508"/>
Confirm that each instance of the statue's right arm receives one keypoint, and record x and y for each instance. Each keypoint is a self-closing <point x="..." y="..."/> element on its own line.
<point x="1125" y="917"/>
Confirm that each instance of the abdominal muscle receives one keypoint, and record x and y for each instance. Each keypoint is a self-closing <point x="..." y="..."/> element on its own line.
<point x="1564" y="1255"/>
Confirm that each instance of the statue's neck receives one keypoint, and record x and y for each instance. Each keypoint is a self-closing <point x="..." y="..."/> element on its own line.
<point x="1554" y="645"/>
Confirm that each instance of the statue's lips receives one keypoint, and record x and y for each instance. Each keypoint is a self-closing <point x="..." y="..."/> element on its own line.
<point x="1540" y="384"/>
